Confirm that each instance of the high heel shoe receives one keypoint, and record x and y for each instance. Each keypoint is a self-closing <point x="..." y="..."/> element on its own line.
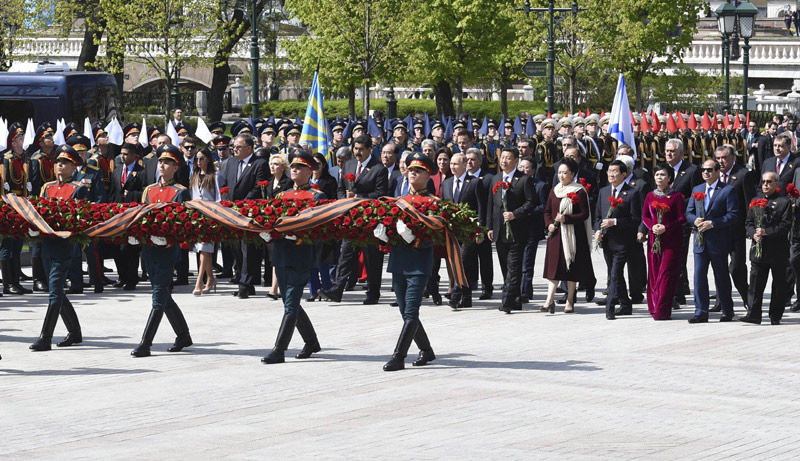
<point x="550" y="307"/>
<point x="197" y="292"/>
<point x="209" y="287"/>
<point x="273" y="297"/>
<point x="569" y="309"/>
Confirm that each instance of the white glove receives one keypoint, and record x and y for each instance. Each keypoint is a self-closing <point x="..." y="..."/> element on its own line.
<point x="290" y="237"/>
<point x="266" y="236"/>
<point x="160" y="241"/>
<point x="29" y="186"/>
<point x="33" y="233"/>
<point x="599" y="165"/>
<point x="6" y="187"/>
<point x="380" y="233"/>
<point x="404" y="231"/>
<point x="133" y="240"/>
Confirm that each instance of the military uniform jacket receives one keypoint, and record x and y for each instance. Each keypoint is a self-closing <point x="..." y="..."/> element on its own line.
<point x="14" y="173"/>
<point x="777" y="222"/>
<point x="106" y="167"/>
<point x="169" y="192"/>
<point x="42" y="169"/>
<point x="415" y="258"/>
<point x="288" y="253"/>
<point x="90" y="176"/>
<point x="67" y="190"/>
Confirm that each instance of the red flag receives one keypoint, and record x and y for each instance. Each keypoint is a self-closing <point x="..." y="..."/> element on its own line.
<point x="587" y="112"/>
<point x="671" y="127"/>
<point x="680" y="121"/>
<point x="737" y="125"/>
<point x="706" y="123"/>
<point x="748" y="120"/>
<point x="656" y="122"/>
<point x="725" y="122"/>
<point x="715" y="122"/>
<point x="644" y="126"/>
<point x="692" y="122"/>
<point x="603" y="113"/>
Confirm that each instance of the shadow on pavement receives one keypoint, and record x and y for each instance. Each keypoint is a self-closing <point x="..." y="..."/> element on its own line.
<point x="77" y="371"/>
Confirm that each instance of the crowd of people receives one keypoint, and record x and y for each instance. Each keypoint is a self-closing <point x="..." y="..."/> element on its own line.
<point x="691" y="184"/>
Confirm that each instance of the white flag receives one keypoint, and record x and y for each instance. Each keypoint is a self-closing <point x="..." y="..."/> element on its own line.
<point x="3" y="134"/>
<point x="620" y="125"/>
<point x="143" y="134"/>
<point x="202" y="132"/>
<point x="114" y="131"/>
<point x="30" y="133"/>
<point x="176" y="141"/>
<point x="58" y="136"/>
<point x="87" y="131"/>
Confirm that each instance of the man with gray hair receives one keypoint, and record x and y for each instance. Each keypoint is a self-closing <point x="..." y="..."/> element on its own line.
<point x="343" y="154"/>
<point x="474" y="163"/>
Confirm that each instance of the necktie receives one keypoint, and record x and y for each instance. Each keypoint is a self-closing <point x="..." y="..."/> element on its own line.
<point x="241" y="169"/>
<point x="358" y="171"/>
<point x="724" y="178"/>
<point x="708" y="197"/>
<point x="506" y="178"/>
<point x="124" y="174"/>
<point x="404" y="189"/>
<point x="614" y="192"/>
<point x="457" y="192"/>
<point x="778" y="166"/>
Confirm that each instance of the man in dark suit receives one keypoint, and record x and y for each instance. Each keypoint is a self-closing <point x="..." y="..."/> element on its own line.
<point x="743" y="182"/>
<point x="151" y="166"/>
<point x="764" y="146"/>
<point x="616" y="231"/>
<point x="508" y="216"/>
<point x="243" y="172"/>
<point x="752" y="136"/>
<point x="371" y="181"/>
<point x="474" y="162"/>
<point x="712" y="218"/>
<point x="465" y="189"/>
<point x="127" y="184"/>
<point x="390" y="152"/>
<point x="784" y="162"/>
<point x="687" y="176"/>
<point x="527" y="165"/>
<point x="770" y="233"/>
<point x="399" y="185"/>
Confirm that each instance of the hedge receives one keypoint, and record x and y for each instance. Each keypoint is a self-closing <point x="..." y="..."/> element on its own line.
<point x="334" y="108"/>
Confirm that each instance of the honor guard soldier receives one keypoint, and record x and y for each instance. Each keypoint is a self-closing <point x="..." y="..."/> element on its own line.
<point x="652" y="145"/>
<point x="610" y="144"/>
<point x="662" y="136"/>
<point x="419" y="135"/>
<point x="400" y="136"/>
<point x="593" y="142"/>
<point x="411" y="266"/>
<point x="71" y="129"/>
<point x="292" y="137"/>
<point x="184" y="129"/>
<point x="217" y="128"/>
<point x="546" y="151"/>
<point x="266" y="138"/>
<point x="241" y="126"/>
<point x="537" y="121"/>
<point x="130" y="133"/>
<point x="161" y="260"/>
<point x="42" y="169"/>
<point x="222" y="149"/>
<point x="508" y="136"/>
<point x="293" y="261"/>
<point x="57" y="254"/>
<point x="490" y="148"/>
<point x="99" y="156"/>
<point x="16" y="181"/>
<point x="152" y="142"/>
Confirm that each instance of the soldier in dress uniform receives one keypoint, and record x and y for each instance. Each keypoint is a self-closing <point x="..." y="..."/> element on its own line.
<point x="267" y="139"/>
<point x="241" y="126"/>
<point x="337" y="129"/>
<point x="419" y="135"/>
<point x="99" y="156"/>
<point x="410" y="266"/>
<point x="152" y="144"/>
<point x="537" y="120"/>
<point x="400" y="136"/>
<point x="546" y="151"/>
<point x="292" y="137"/>
<point x="437" y="135"/>
<point x="293" y="263"/>
<point x="130" y="133"/>
<point x="57" y="255"/>
<point x="42" y="168"/>
<point x="490" y="148"/>
<point x="16" y="180"/>
<point x="184" y="129"/>
<point x="71" y="129"/>
<point x="507" y="140"/>
<point x="217" y="128"/>
<point x="161" y="260"/>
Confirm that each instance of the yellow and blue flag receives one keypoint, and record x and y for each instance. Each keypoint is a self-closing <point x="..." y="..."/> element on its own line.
<point x="315" y="125"/>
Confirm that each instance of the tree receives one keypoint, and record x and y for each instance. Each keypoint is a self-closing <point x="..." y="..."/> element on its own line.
<point x="642" y="37"/>
<point x="362" y="32"/>
<point x="505" y="64"/>
<point x="452" y="41"/>
<point x="19" y="18"/>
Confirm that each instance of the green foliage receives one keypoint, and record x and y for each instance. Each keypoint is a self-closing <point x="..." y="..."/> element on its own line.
<point x="18" y="19"/>
<point x="478" y="109"/>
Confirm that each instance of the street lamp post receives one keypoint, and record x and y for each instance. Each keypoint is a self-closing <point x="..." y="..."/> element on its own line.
<point x="551" y="10"/>
<point x="254" y="57"/>
<point x="726" y="22"/>
<point x="746" y="17"/>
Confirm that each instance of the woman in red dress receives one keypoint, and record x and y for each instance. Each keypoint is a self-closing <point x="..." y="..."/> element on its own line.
<point x="664" y="264"/>
<point x="567" y="219"/>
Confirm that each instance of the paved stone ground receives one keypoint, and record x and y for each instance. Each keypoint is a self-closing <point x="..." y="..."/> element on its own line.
<point x="520" y="386"/>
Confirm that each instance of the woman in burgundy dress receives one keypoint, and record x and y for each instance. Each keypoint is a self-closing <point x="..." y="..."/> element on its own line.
<point x="567" y="219"/>
<point x="664" y="263"/>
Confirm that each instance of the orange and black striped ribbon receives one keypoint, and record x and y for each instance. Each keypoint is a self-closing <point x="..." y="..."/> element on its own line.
<point x="317" y="216"/>
<point x="455" y="265"/>
<point x="224" y="215"/>
<point x="29" y="213"/>
<point x="119" y="224"/>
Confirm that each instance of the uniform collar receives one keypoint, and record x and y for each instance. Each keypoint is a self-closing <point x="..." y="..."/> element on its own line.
<point x="303" y="187"/>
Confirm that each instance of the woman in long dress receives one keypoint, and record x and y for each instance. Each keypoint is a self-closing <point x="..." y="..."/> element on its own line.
<point x="203" y="184"/>
<point x="567" y="218"/>
<point x="663" y="266"/>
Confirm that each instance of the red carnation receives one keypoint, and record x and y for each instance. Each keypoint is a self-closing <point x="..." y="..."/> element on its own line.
<point x="224" y="190"/>
<point x="264" y="183"/>
<point x="585" y="184"/>
<point x="501" y="185"/>
<point x="699" y="196"/>
<point x="350" y="177"/>
<point x="574" y="197"/>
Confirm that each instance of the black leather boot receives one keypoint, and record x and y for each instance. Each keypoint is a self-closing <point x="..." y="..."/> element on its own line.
<point x="17" y="273"/>
<point x="425" y="350"/>
<point x="143" y="349"/>
<point x="39" y="278"/>
<point x="70" y="318"/>
<point x="178" y="322"/>
<point x="8" y="278"/>
<point x="306" y="330"/>
<point x="50" y="320"/>
<point x="403" y="343"/>
<point x="282" y="343"/>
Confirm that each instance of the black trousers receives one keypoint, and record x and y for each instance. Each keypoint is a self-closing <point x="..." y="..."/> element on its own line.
<point x="615" y="261"/>
<point x="637" y="270"/>
<point x="347" y="266"/>
<point x="683" y="283"/>
<point x="510" y="256"/>
<point x="127" y="261"/>
<point x="528" y="263"/>
<point x="247" y="264"/>
<point x="758" y="282"/>
<point x="469" y="255"/>
<point x="793" y="269"/>
<point x="182" y="266"/>
<point x="738" y="264"/>
<point x="486" y="265"/>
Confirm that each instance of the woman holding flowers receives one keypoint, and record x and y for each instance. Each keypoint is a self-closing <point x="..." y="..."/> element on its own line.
<point x="663" y="216"/>
<point x="567" y="219"/>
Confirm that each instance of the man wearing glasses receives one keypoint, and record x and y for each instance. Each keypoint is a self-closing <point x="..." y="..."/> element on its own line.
<point x="712" y="218"/>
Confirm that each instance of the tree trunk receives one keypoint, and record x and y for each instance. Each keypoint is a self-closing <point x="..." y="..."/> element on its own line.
<point x="351" y="101"/>
<point x="219" y="84"/>
<point x="460" y="95"/>
<point x="365" y="99"/>
<point x="444" y="99"/>
<point x="572" y="93"/>
<point x="89" y="47"/>
<point x="115" y="59"/>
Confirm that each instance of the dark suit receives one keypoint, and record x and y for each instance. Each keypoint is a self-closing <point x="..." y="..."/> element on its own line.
<point x="686" y="178"/>
<point x="520" y="199"/>
<point x="485" y="248"/>
<point x="127" y="256"/>
<point x="723" y="212"/>
<point x="247" y="257"/>
<point x="787" y="170"/>
<point x="618" y="240"/>
<point x="777" y="222"/>
<point x="536" y="234"/>
<point x="399" y="186"/>
<point x="744" y="183"/>
<point x="764" y="150"/>
<point x="642" y="183"/>
<point x="470" y="192"/>
<point x="372" y="182"/>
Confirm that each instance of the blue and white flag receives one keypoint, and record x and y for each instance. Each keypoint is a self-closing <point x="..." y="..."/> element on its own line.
<point x="315" y="125"/>
<point x="620" y="125"/>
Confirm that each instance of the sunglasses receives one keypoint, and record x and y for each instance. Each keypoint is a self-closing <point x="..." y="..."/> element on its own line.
<point x="707" y="170"/>
<point x="189" y="146"/>
<point x="767" y="181"/>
